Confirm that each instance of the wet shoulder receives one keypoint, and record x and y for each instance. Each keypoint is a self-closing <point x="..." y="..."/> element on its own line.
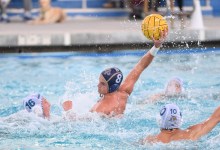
<point x="151" y="139"/>
<point x="123" y="93"/>
<point x="180" y="135"/>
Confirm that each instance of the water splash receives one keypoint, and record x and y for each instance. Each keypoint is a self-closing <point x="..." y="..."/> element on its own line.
<point x="169" y="17"/>
<point x="27" y="131"/>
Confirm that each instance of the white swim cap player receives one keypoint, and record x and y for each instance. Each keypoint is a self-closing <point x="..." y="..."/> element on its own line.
<point x="174" y="86"/>
<point x="33" y="103"/>
<point x="170" y="117"/>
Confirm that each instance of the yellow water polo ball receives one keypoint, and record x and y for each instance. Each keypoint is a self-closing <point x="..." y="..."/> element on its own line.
<point x="152" y="26"/>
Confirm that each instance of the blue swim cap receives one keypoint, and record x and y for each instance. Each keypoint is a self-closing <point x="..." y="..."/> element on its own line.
<point x="113" y="77"/>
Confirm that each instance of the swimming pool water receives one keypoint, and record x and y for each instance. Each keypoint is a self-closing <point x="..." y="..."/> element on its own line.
<point x="74" y="76"/>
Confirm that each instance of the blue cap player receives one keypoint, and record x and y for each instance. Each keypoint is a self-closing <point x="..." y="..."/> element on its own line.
<point x="114" y="93"/>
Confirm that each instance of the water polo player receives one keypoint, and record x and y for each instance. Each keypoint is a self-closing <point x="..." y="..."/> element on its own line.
<point x="173" y="89"/>
<point x="171" y="121"/>
<point x="112" y="77"/>
<point x="114" y="93"/>
<point x="37" y="104"/>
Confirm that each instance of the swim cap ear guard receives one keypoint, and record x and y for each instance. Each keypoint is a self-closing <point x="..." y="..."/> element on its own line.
<point x="113" y="77"/>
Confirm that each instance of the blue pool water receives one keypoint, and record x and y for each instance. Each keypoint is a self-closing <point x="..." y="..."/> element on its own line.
<point x="74" y="75"/>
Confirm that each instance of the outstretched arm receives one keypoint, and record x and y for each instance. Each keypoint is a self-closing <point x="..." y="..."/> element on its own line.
<point x="133" y="76"/>
<point x="196" y="131"/>
<point x="155" y="98"/>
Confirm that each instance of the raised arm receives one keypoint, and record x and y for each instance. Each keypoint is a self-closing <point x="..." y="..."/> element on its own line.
<point x="196" y="131"/>
<point x="133" y="76"/>
<point x="155" y="98"/>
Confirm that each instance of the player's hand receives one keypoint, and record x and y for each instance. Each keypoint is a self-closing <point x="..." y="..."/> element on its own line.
<point x="163" y="36"/>
<point x="67" y="105"/>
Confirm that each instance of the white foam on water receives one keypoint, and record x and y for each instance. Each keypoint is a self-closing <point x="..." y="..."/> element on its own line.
<point x="89" y="130"/>
<point x="169" y="17"/>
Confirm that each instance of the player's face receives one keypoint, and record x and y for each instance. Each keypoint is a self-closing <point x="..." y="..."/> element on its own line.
<point x="102" y="86"/>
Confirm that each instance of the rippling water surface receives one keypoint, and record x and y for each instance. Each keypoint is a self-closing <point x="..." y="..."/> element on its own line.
<point x="74" y="76"/>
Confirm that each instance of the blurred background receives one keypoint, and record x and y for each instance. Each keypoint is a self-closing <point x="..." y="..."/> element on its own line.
<point x="103" y="25"/>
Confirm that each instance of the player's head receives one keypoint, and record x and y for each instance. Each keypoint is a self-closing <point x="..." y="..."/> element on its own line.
<point x="170" y="117"/>
<point x="110" y="80"/>
<point x="174" y="86"/>
<point x="33" y="103"/>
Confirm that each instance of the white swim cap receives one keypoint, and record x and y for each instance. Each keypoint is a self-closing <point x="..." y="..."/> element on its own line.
<point x="170" y="117"/>
<point x="33" y="103"/>
<point x="171" y="89"/>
